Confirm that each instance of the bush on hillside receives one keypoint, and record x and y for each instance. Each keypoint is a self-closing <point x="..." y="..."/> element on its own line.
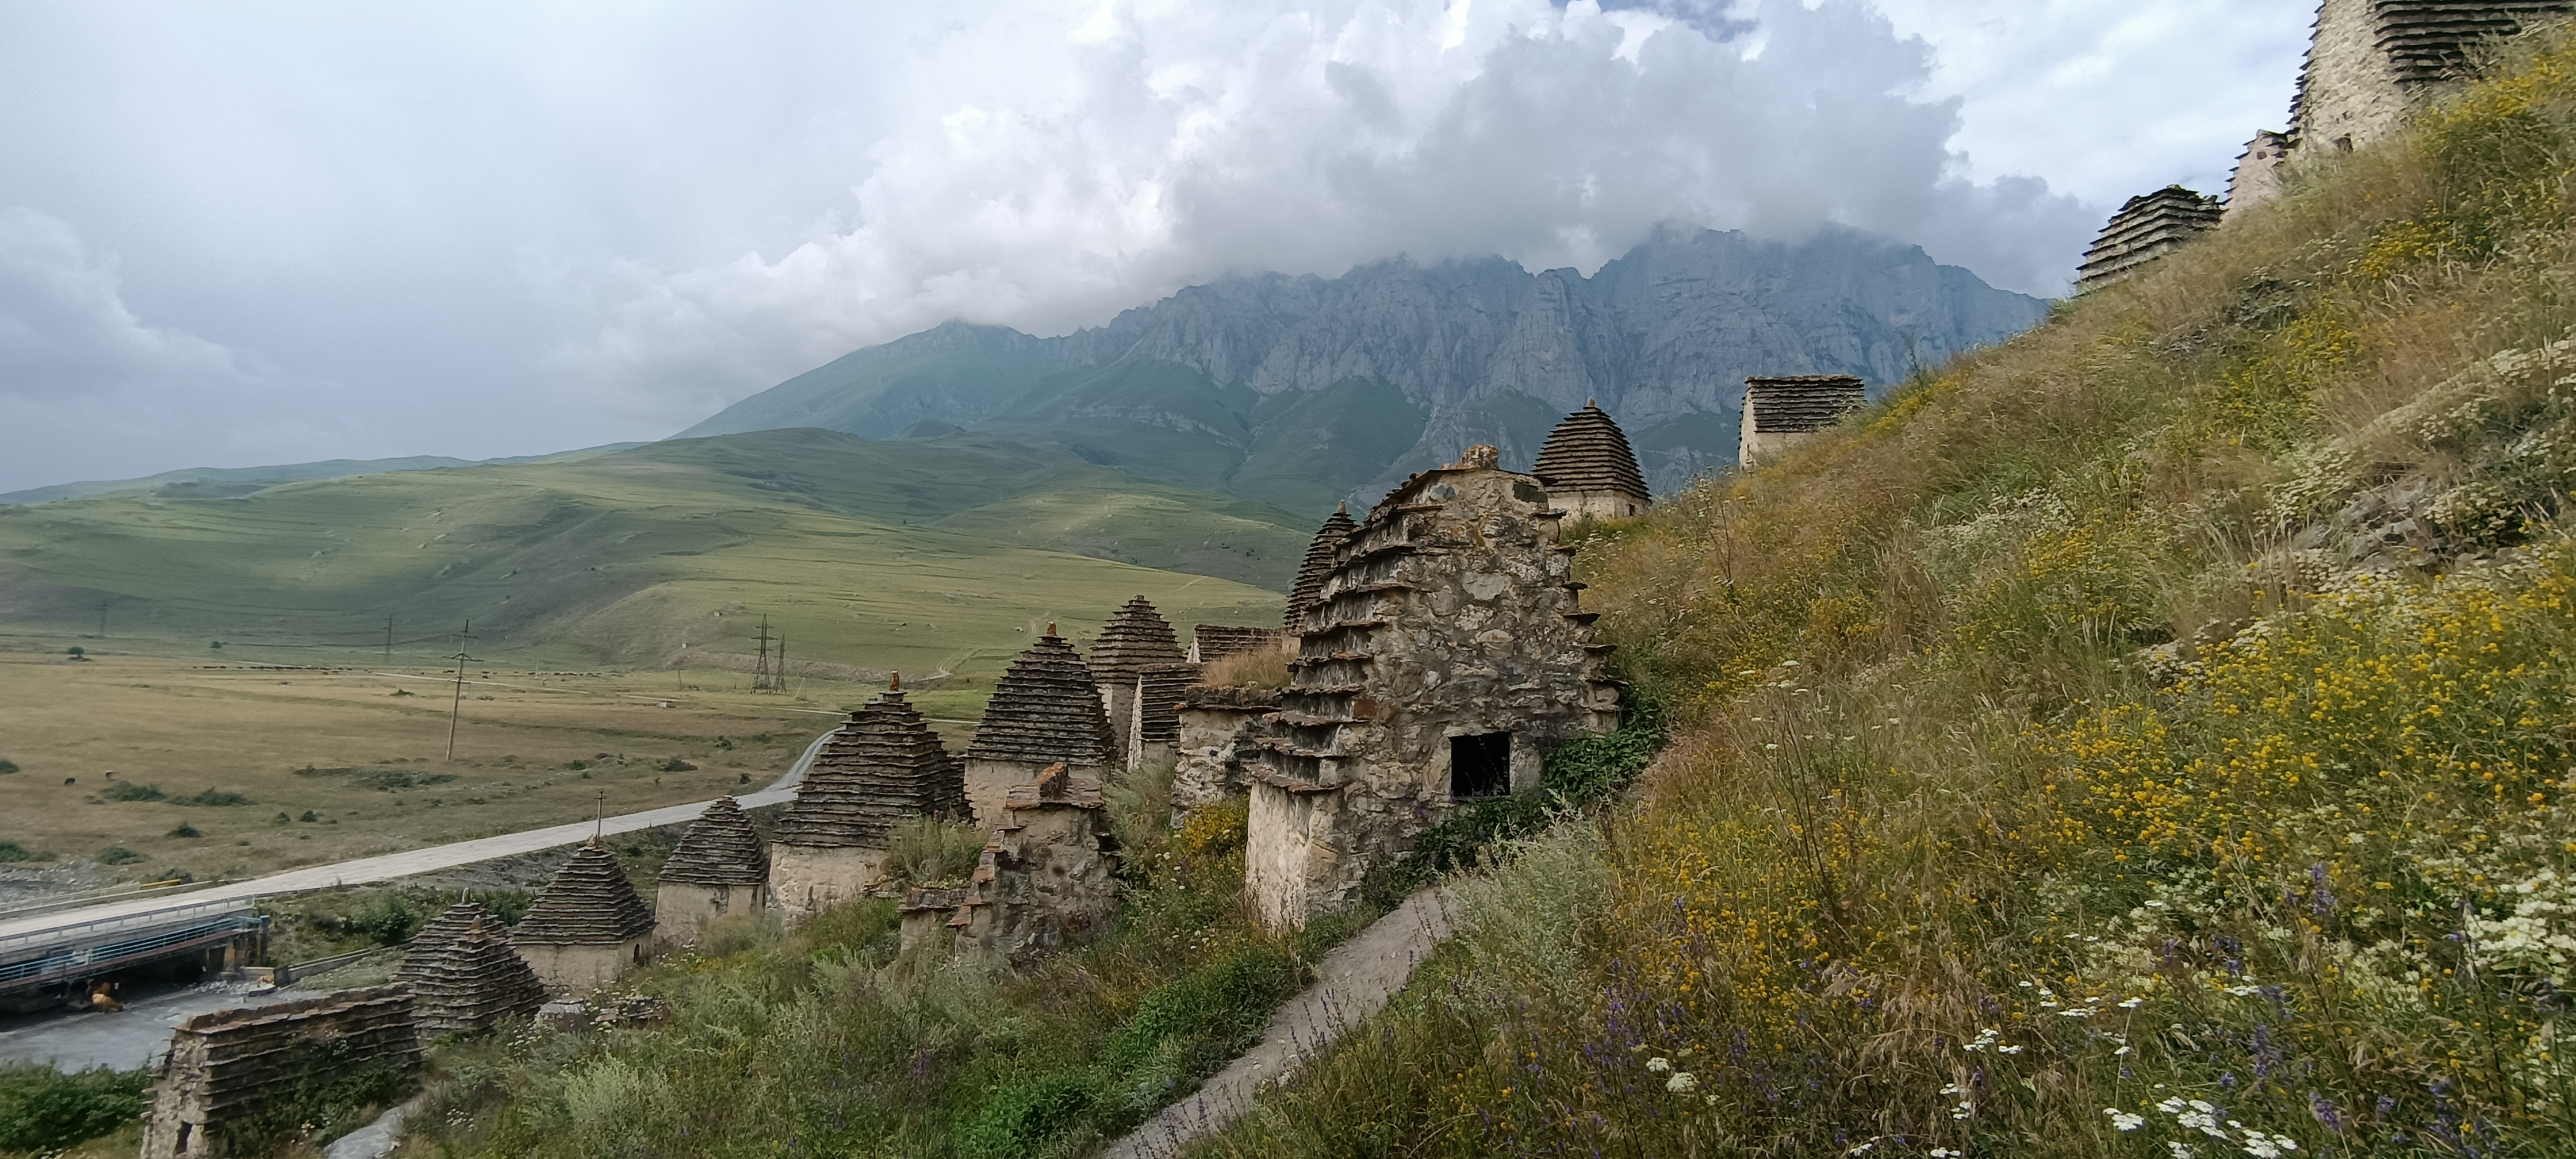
<point x="130" y="791"/>
<point x="386" y="916"/>
<point x="11" y="851"/>
<point x="43" y="1110"/>
<point x="214" y="798"/>
<point x="118" y="855"/>
<point x="7" y="766"/>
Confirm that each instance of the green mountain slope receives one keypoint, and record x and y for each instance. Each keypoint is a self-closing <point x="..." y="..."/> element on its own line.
<point x="224" y="482"/>
<point x="916" y="555"/>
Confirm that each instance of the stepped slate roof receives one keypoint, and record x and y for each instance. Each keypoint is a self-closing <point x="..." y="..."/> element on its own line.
<point x="2430" y="39"/>
<point x="465" y="975"/>
<point x="1799" y="403"/>
<point x="719" y="848"/>
<point x="1588" y="452"/>
<point x="1214" y="642"/>
<point x="1044" y="710"/>
<point x="1133" y="638"/>
<point x="589" y="903"/>
<point x="2147" y="227"/>
<point x="1319" y="563"/>
<point x="880" y="767"/>
<point x="1159" y="689"/>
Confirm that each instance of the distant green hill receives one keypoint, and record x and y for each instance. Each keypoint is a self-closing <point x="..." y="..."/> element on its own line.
<point x="225" y="482"/>
<point x="917" y="555"/>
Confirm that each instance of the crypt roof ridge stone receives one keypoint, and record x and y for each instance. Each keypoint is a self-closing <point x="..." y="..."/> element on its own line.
<point x="1798" y="403"/>
<point x="589" y="903"/>
<point x="1045" y="709"/>
<point x="464" y="974"/>
<point x="882" y="765"/>
<point x="719" y="848"/>
<point x="1159" y="691"/>
<point x="1135" y="636"/>
<point x="1218" y="641"/>
<point x="1318" y="563"/>
<point x="1586" y="452"/>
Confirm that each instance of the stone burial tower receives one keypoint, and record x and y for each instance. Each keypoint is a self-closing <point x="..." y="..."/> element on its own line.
<point x="1154" y="728"/>
<point x="1444" y="653"/>
<point x="1782" y="412"/>
<point x="882" y="767"/>
<point x="465" y="976"/>
<point x="1589" y="470"/>
<point x="587" y="926"/>
<point x="1134" y="638"/>
<point x="718" y="868"/>
<point x="231" y="1075"/>
<point x="1044" y="711"/>
<point x="2148" y="227"/>
<point x="1319" y="560"/>
<point x="1047" y="878"/>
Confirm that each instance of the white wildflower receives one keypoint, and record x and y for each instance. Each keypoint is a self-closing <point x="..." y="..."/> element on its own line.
<point x="2123" y="1120"/>
<point x="2132" y="1003"/>
<point x="1682" y="1082"/>
<point x="1659" y="1064"/>
<point x="2007" y="1050"/>
<point x="2262" y="1146"/>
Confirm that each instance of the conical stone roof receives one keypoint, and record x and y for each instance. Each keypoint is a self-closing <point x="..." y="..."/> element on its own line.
<point x="719" y="848"/>
<point x="1588" y="452"/>
<point x="589" y="903"/>
<point x="1045" y="710"/>
<point x="1135" y="637"/>
<point x="882" y="766"/>
<point x="1159" y="691"/>
<point x="1319" y="563"/>
<point x="464" y="974"/>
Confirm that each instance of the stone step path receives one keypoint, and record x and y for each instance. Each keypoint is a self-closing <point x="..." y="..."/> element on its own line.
<point x="1354" y="980"/>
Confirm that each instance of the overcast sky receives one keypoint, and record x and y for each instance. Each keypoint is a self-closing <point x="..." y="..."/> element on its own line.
<point x="245" y="233"/>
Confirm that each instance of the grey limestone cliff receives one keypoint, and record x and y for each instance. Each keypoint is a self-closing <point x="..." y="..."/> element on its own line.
<point x="1305" y="390"/>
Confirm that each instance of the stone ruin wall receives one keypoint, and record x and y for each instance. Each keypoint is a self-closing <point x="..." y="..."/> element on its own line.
<point x="1211" y="754"/>
<point x="1452" y="611"/>
<point x="226" y="1070"/>
<point x="1046" y="879"/>
<point x="805" y="880"/>
<point x="2348" y="96"/>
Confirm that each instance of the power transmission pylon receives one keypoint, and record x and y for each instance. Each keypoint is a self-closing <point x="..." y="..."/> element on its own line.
<point x="763" y="678"/>
<point x="456" y="709"/>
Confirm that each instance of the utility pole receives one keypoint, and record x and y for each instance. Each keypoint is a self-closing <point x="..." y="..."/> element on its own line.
<point x="457" y="708"/>
<point x="762" y="679"/>
<point x="389" y="639"/>
<point x="781" y="682"/>
<point x="102" y="619"/>
<point x="599" y="821"/>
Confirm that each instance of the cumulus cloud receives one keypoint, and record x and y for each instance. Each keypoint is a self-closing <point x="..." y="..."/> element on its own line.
<point x="88" y="389"/>
<point x="1050" y="164"/>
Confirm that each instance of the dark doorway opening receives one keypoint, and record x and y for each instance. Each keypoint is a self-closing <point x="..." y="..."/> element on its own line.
<point x="1481" y="765"/>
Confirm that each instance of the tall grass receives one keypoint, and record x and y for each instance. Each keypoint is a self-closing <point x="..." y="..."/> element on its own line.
<point x="2145" y="738"/>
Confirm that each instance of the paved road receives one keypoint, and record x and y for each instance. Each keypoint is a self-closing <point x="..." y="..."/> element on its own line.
<point x="129" y="1038"/>
<point x="391" y="866"/>
<point x="1352" y="982"/>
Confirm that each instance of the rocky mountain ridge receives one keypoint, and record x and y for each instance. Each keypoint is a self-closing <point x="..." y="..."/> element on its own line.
<point x="1306" y="390"/>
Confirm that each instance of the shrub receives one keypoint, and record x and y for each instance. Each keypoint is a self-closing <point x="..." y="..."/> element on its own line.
<point x="676" y="765"/>
<point x="130" y="791"/>
<point x="1019" y="1116"/>
<point x="386" y="916"/>
<point x="308" y="816"/>
<point x="118" y="855"/>
<point x="932" y="851"/>
<point x="44" y="1110"/>
<point x="7" y="766"/>
<point x="213" y="798"/>
<point x="11" y="851"/>
<point x="185" y="830"/>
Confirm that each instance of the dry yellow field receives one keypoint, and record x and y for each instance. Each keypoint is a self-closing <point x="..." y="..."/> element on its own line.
<point x="532" y="749"/>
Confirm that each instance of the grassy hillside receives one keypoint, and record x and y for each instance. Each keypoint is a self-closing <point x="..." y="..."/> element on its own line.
<point x="2146" y="739"/>
<point x="923" y="556"/>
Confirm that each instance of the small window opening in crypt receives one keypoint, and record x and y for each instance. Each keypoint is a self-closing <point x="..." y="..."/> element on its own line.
<point x="1480" y="765"/>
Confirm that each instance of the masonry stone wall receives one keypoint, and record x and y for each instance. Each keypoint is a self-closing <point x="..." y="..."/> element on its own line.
<point x="1218" y="731"/>
<point x="681" y="909"/>
<point x="229" y="1074"/>
<point x="1449" y="624"/>
<point x="1047" y="879"/>
<point x="805" y="880"/>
